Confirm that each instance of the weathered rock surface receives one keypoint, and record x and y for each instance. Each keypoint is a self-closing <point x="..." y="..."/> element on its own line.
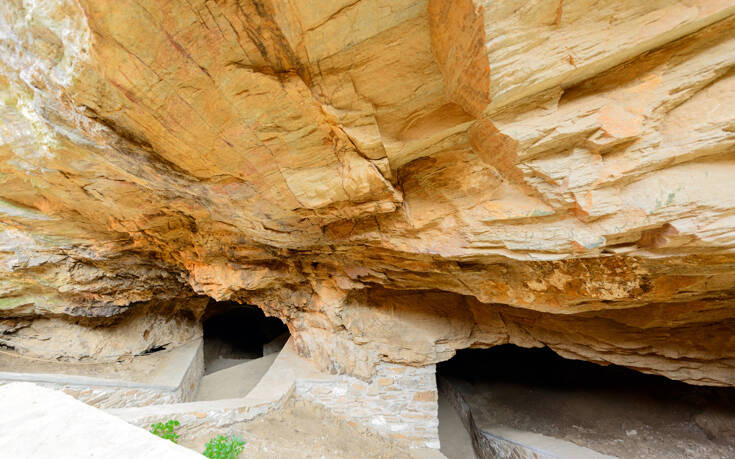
<point x="396" y="180"/>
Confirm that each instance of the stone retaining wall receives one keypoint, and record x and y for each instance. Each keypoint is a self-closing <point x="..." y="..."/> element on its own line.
<point x="400" y="402"/>
<point x="178" y="385"/>
<point x="123" y="395"/>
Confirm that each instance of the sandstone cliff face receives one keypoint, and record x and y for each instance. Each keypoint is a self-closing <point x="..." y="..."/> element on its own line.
<point x="395" y="179"/>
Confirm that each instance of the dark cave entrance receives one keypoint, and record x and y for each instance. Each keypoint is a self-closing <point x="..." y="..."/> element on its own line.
<point x="234" y="333"/>
<point x="609" y="409"/>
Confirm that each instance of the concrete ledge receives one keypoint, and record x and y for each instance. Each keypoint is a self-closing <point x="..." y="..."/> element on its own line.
<point x="400" y="403"/>
<point x="502" y="442"/>
<point x="274" y="388"/>
<point x="505" y="442"/>
<point x="173" y="377"/>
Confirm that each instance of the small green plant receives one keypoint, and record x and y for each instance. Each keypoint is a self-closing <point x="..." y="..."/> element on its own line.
<point x="224" y="447"/>
<point x="166" y="431"/>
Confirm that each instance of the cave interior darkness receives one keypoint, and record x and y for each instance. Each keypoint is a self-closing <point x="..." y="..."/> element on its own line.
<point x="234" y="333"/>
<point x="607" y="408"/>
<point x="538" y="368"/>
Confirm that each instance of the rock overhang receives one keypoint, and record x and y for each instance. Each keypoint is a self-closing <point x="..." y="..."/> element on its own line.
<point x="392" y="184"/>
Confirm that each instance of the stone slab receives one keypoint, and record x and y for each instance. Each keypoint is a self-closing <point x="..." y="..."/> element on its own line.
<point x="42" y="423"/>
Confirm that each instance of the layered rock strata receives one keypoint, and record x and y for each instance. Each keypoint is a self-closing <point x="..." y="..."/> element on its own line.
<point x="394" y="179"/>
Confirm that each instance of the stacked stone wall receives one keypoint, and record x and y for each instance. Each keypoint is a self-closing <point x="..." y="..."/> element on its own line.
<point x="400" y="402"/>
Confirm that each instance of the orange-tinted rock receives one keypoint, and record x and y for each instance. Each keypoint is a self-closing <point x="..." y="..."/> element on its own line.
<point x="397" y="180"/>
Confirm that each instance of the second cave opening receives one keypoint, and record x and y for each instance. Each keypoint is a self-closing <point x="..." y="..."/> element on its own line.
<point x="234" y="333"/>
<point x="611" y="409"/>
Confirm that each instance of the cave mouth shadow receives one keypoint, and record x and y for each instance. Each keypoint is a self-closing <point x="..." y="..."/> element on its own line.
<point x="235" y="333"/>
<point x="611" y="409"/>
<point x="542" y="368"/>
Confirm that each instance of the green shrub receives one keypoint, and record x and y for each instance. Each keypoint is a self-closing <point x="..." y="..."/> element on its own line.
<point x="166" y="430"/>
<point x="224" y="447"/>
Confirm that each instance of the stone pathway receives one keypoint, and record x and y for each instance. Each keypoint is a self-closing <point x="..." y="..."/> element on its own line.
<point x="234" y="382"/>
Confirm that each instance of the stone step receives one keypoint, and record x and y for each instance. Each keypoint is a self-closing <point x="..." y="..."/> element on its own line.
<point x="234" y="382"/>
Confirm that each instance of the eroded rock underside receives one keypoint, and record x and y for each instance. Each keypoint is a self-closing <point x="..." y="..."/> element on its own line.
<point x="394" y="179"/>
